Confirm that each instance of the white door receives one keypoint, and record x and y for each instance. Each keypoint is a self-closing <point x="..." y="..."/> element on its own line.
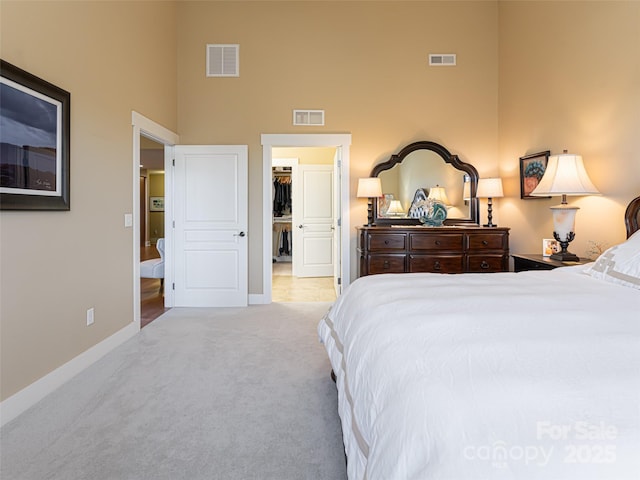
<point x="312" y="220"/>
<point x="337" y="223"/>
<point x="210" y="232"/>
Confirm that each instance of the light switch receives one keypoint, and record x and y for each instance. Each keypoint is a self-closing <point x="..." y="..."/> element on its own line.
<point x="128" y="219"/>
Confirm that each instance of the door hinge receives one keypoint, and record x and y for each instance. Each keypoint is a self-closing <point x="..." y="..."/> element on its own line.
<point x="173" y="224"/>
<point x="339" y="163"/>
<point x="173" y="286"/>
<point x="339" y="280"/>
<point x="339" y="222"/>
<point x="173" y="162"/>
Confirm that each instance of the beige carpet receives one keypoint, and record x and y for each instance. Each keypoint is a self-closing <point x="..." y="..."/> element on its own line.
<point x="234" y="393"/>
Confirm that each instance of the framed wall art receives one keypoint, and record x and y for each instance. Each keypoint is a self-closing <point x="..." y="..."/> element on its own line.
<point x="532" y="168"/>
<point x="34" y="142"/>
<point x="156" y="204"/>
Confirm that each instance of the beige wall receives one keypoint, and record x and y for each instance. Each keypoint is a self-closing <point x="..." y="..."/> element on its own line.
<point x="306" y="155"/>
<point x="570" y="79"/>
<point x="364" y="63"/>
<point x="114" y="57"/>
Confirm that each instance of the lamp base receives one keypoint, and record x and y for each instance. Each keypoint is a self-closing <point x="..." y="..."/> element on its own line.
<point x="490" y="225"/>
<point x="564" y="255"/>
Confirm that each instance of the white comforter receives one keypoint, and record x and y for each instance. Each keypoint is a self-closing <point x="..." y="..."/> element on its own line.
<point x="534" y="375"/>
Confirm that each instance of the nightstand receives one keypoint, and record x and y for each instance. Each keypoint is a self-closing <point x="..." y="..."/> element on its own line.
<point x="525" y="261"/>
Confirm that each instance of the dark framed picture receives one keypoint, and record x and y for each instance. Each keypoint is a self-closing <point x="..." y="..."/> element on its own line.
<point x="532" y="168"/>
<point x="34" y="142"/>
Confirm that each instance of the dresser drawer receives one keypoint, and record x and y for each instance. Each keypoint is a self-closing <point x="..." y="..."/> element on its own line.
<point x="486" y="263"/>
<point x="385" y="264"/>
<point x="436" y="263"/>
<point x="387" y="241"/>
<point x="436" y="242"/>
<point x="486" y="241"/>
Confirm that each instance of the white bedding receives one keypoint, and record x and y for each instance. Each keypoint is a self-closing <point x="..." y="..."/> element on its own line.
<point x="534" y="375"/>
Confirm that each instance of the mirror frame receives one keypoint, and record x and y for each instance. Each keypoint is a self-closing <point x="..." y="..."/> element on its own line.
<point x="447" y="157"/>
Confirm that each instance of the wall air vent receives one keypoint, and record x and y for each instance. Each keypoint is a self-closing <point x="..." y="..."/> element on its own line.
<point x="308" y="117"/>
<point x="223" y="60"/>
<point x="442" y="59"/>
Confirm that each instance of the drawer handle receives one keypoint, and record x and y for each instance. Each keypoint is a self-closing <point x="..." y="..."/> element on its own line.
<point x="436" y="265"/>
<point x="484" y="265"/>
<point x="437" y="242"/>
<point x="386" y="265"/>
<point x="386" y="242"/>
<point x="484" y="242"/>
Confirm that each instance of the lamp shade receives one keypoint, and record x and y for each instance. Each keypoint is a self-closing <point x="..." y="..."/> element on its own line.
<point x="439" y="193"/>
<point x="490" y="188"/>
<point x="395" y="208"/>
<point x="565" y="175"/>
<point x="369" y="187"/>
<point x="466" y="191"/>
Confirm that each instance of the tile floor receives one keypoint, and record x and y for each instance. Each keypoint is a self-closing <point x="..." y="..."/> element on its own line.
<point x="287" y="288"/>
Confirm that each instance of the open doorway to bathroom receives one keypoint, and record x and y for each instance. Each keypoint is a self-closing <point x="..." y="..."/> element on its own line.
<point x="152" y="222"/>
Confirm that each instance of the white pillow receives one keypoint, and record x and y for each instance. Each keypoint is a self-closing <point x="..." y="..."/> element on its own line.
<point x="619" y="264"/>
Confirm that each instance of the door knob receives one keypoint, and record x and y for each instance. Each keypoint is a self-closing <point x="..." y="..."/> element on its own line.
<point x="301" y="226"/>
<point x="241" y="234"/>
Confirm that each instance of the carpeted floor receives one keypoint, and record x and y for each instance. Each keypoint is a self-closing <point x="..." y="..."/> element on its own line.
<point x="235" y="393"/>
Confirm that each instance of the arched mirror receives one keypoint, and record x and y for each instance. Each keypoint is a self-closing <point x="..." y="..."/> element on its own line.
<point x="425" y="169"/>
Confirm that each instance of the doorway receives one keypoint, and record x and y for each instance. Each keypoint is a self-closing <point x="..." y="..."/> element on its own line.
<point x="302" y="265"/>
<point x="340" y="143"/>
<point x="152" y="220"/>
<point x="145" y="129"/>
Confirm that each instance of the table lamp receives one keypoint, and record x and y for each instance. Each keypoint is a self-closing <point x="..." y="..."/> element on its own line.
<point x="565" y="175"/>
<point x="489" y="188"/>
<point x="370" y="188"/>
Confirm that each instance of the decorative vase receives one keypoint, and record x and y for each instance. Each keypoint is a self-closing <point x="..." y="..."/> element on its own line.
<point x="435" y="213"/>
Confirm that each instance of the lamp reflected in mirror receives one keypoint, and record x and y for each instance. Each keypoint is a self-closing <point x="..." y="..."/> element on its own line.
<point x="395" y="209"/>
<point x="466" y="189"/>
<point x="438" y="193"/>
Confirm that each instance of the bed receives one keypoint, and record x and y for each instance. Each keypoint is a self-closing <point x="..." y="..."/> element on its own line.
<point x="530" y="375"/>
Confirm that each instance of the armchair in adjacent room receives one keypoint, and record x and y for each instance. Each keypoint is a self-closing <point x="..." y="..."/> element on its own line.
<point x="154" y="268"/>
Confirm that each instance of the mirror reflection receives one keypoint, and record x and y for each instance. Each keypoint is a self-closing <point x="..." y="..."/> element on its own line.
<point x="423" y="169"/>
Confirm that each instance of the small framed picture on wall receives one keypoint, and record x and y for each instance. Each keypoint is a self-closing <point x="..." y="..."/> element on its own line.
<point x="532" y="168"/>
<point x="156" y="204"/>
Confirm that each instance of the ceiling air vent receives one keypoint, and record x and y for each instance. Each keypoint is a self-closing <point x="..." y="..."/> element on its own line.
<point x="308" y="117"/>
<point x="223" y="61"/>
<point x="442" y="59"/>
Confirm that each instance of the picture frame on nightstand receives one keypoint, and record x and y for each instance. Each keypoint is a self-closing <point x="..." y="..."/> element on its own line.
<point x="549" y="247"/>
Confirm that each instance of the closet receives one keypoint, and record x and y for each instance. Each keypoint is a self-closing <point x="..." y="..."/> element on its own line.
<point x="282" y="235"/>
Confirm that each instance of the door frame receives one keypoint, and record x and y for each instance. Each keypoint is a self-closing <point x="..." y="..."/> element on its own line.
<point x="147" y="127"/>
<point x="268" y="141"/>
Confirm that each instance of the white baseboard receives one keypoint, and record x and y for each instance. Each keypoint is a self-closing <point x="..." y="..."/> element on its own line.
<point x="257" y="299"/>
<point x="19" y="402"/>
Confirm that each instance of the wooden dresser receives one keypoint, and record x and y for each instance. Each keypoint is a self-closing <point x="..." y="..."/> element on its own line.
<point x="408" y="249"/>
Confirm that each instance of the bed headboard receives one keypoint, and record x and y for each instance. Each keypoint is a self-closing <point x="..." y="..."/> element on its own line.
<point x="632" y="217"/>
